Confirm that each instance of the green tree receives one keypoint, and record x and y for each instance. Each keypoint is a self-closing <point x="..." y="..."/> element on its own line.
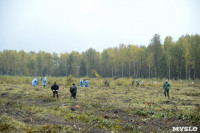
<point x="168" y="44"/>
<point x="63" y="64"/>
<point x="70" y="70"/>
<point x="105" y="63"/>
<point x="82" y="71"/>
<point x="91" y="60"/>
<point x="156" y="48"/>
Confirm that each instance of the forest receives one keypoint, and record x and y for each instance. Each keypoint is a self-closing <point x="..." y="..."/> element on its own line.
<point x="173" y="59"/>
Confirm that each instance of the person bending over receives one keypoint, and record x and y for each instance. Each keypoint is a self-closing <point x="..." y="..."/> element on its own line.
<point x="55" y="89"/>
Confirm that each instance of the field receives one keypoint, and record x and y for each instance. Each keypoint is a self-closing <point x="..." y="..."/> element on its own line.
<point x="118" y="108"/>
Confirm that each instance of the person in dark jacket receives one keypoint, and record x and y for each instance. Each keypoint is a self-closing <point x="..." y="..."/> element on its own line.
<point x="73" y="91"/>
<point x="166" y="87"/>
<point x="138" y="83"/>
<point x="133" y="82"/>
<point x="55" y="89"/>
<point x="106" y="83"/>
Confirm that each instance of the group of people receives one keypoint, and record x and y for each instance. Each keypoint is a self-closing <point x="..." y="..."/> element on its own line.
<point x="55" y="88"/>
<point x="138" y="83"/>
<point x="84" y="84"/>
<point x="73" y="90"/>
<point x="106" y="83"/>
<point x="35" y="81"/>
<point x="166" y="86"/>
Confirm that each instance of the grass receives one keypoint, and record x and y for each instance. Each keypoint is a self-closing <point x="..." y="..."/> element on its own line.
<point x="119" y="108"/>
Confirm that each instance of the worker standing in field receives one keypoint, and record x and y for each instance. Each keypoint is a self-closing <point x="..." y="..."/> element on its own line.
<point x="81" y="83"/>
<point x="166" y="87"/>
<point x="55" y="89"/>
<point x="73" y="91"/>
<point x="133" y="82"/>
<point x="138" y="83"/>
<point x="35" y="82"/>
<point x="44" y="82"/>
<point x="106" y="83"/>
<point x="86" y="83"/>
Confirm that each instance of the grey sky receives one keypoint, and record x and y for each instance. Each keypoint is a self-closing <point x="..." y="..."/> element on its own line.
<point x="67" y="25"/>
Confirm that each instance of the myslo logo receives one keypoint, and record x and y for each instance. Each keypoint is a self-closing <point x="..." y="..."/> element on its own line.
<point x="185" y="129"/>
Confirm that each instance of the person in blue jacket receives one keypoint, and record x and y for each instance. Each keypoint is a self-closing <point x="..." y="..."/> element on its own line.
<point x="35" y="82"/>
<point x="44" y="81"/>
<point x="86" y="83"/>
<point x="81" y="83"/>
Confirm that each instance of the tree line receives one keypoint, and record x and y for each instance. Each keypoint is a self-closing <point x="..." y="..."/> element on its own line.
<point x="173" y="59"/>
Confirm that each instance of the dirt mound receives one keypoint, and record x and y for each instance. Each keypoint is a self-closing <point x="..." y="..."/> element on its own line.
<point x="75" y="107"/>
<point x="4" y="94"/>
<point x="168" y="102"/>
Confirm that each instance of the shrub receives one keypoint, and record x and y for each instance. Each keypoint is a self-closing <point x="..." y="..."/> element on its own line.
<point x="8" y="124"/>
<point x="69" y="80"/>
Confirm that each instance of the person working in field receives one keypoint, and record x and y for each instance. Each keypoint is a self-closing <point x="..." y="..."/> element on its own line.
<point x="81" y="83"/>
<point x="73" y="91"/>
<point x="44" y="81"/>
<point x="55" y="89"/>
<point x="137" y="83"/>
<point x="106" y="83"/>
<point x="86" y="83"/>
<point x="35" y="82"/>
<point x="133" y="82"/>
<point x="166" y="87"/>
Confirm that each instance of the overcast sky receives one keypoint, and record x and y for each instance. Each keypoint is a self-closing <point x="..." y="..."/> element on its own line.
<point x="76" y="25"/>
